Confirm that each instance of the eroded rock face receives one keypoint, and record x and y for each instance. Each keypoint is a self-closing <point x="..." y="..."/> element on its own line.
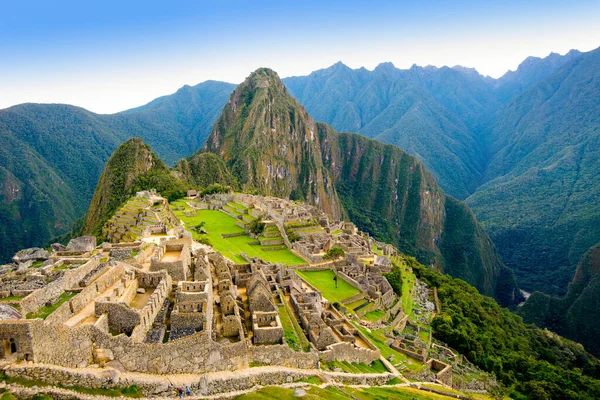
<point x="82" y="243"/>
<point x="31" y="254"/>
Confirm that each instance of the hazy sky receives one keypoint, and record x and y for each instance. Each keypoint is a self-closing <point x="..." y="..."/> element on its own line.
<point x="108" y="55"/>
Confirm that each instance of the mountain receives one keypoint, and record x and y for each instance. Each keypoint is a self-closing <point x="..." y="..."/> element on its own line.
<point x="131" y="168"/>
<point x="203" y="169"/>
<point x="51" y="155"/>
<point x="271" y="144"/>
<point x="432" y="113"/>
<point x="540" y="201"/>
<point x="576" y="315"/>
<point x="531" y="71"/>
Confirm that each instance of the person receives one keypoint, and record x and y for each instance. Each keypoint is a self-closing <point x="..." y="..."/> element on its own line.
<point x="188" y="391"/>
<point x="180" y="390"/>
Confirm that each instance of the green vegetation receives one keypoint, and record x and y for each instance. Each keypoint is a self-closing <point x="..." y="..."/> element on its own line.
<point x="534" y="363"/>
<point x="398" y="359"/>
<point x="576" y="315"/>
<point x="47" y="310"/>
<point x="313" y="380"/>
<point x="131" y="168"/>
<point x="342" y="393"/>
<point x="9" y="299"/>
<point x="289" y="332"/>
<point x="374" y="315"/>
<point x="256" y="226"/>
<point x="302" y="341"/>
<point x="376" y="367"/>
<point x="334" y="253"/>
<point x="129" y="391"/>
<point x="324" y="281"/>
<point x="217" y="223"/>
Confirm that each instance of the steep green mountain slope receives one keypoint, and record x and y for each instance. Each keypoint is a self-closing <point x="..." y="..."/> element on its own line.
<point x="541" y="202"/>
<point x="429" y="112"/>
<point x="271" y="144"/>
<point x="55" y="154"/>
<point x="204" y="169"/>
<point x="577" y="315"/>
<point x="533" y="363"/>
<point x="132" y="167"/>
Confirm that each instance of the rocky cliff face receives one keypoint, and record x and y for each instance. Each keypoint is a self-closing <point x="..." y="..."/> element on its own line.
<point x="272" y="145"/>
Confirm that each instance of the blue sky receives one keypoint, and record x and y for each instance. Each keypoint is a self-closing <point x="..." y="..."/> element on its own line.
<point x="112" y="55"/>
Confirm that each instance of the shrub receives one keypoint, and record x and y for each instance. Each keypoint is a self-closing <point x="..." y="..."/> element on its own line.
<point x="333" y="253"/>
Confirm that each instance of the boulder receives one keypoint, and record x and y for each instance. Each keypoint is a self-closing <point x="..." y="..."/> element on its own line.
<point x="103" y="356"/>
<point x="299" y="392"/>
<point x="8" y="312"/>
<point x="82" y="243"/>
<point x="31" y="254"/>
<point x="58" y="247"/>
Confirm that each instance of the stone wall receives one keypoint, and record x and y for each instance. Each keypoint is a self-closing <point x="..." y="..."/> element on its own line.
<point x="196" y="353"/>
<point x="282" y="355"/>
<point x="19" y="333"/>
<point x="121" y="317"/>
<point x="53" y="290"/>
<point x="150" y="310"/>
<point x="443" y="371"/>
<point x="66" y="377"/>
<point x="345" y="351"/>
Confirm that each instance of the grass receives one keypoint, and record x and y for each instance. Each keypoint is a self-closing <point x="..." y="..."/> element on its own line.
<point x="302" y="340"/>
<point x="37" y="264"/>
<point x="386" y="351"/>
<point x="217" y="223"/>
<point x="130" y="391"/>
<point x="323" y="281"/>
<point x="313" y="380"/>
<point x="288" y="329"/>
<point x="47" y="310"/>
<point x="11" y="298"/>
<point x="342" y="393"/>
<point x="374" y="315"/>
<point x="376" y="367"/>
<point x="354" y="304"/>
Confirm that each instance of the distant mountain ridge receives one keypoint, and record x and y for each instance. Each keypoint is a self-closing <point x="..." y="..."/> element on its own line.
<point x="51" y="155"/>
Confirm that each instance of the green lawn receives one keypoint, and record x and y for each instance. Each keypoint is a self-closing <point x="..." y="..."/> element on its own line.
<point x="374" y="315"/>
<point x="342" y="393"/>
<point x="217" y="223"/>
<point x="323" y="280"/>
<point x="376" y="367"/>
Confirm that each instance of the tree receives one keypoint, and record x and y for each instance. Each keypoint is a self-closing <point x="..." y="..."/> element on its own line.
<point x="333" y="253"/>
<point x="256" y="226"/>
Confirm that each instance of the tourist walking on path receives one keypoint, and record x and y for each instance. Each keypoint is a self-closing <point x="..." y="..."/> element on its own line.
<point x="188" y="392"/>
<point x="180" y="390"/>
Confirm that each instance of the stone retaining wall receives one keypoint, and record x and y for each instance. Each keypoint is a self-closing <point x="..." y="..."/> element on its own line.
<point x="282" y="355"/>
<point x="345" y="351"/>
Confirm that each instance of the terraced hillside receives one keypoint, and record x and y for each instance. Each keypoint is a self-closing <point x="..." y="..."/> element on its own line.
<point x="136" y="216"/>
